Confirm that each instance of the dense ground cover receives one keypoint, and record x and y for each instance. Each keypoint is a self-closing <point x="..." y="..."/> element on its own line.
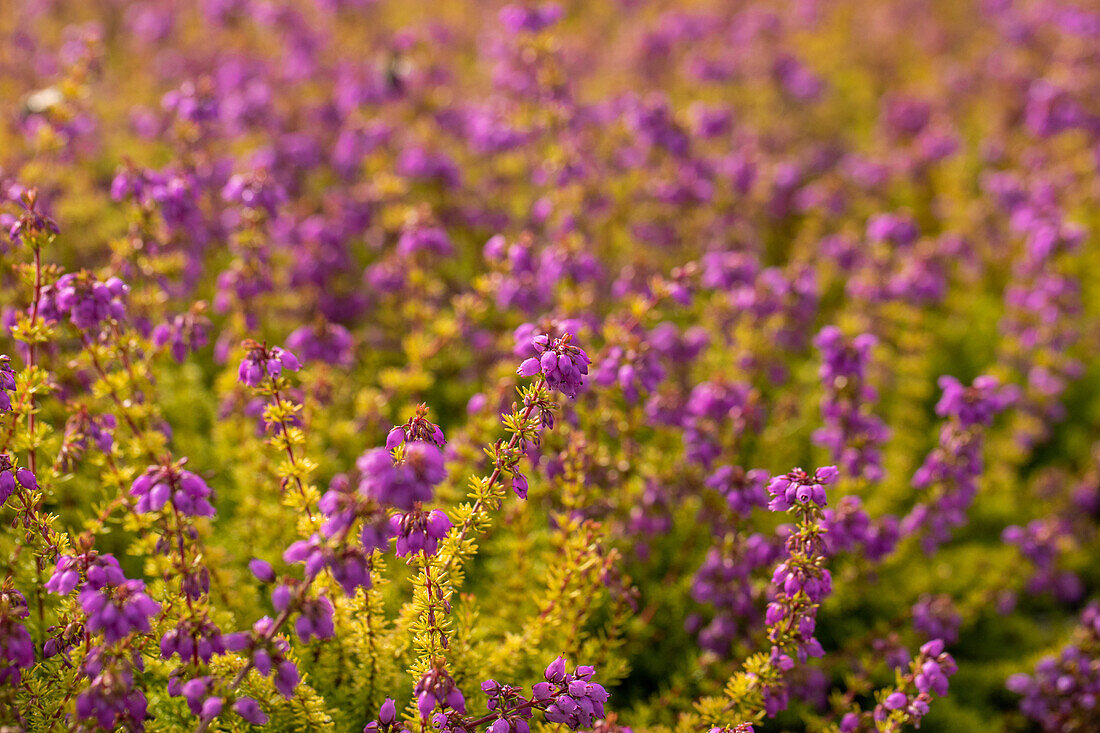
<point x="448" y="365"/>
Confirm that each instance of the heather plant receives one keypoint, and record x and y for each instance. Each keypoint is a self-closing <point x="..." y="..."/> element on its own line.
<point x="686" y="367"/>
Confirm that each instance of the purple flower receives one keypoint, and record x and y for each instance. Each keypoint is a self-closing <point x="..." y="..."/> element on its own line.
<point x="315" y="619"/>
<point x="388" y="712"/>
<point x="896" y="701"/>
<point x="262" y="570"/>
<point x="387" y="720"/>
<point x="395" y="438"/>
<point x="250" y="711"/>
<point x="286" y="678"/>
<point x="555" y="671"/>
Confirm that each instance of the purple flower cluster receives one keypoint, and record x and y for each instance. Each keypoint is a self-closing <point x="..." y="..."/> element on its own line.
<point x="509" y="704"/>
<point x="570" y="698"/>
<point x="1044" y="542"/>
<point x="725" y="582"/>
<point x="265" y="653"/>
<point x="254" y="192"/>
<point x="324" y="343"/>
<point x="800" y="583"/>
<point x="85" y="301"/>
<point x="418" y="428"/>
<point x="437" y="687"/>
<point x="261" y="363"/>
<point x="194" y="639"/>
<point x="800" y="488"/>
<point x="110" y="698"/>
<point x="405" y="481"/>
<point x="848" y="528"/>
<point x="417" y="236"/>
<point x="198" y="693"/>
<point x="343" y="504"/>
<point x="187" y="332"/>
<point x="115" y="608"/>
<point x="910" y="702"/>
<point x="559" y="361"/>
<point x="419" y="531"/>
<point x="159" y="485"/>
<point x="975" y="405"/>
<point x="350" y="565"/>
<point x="1062" y="693"/>
<point x="743" y="490"/>
<point x="32" y="222"/>
<point x="574" y="699"/>
<point x="712" y="410"/>
<point x="852" y="432"/>
<point x="82" y="427"/>
<point x="7" y="382"/>
<point x="954" y="467"/>
<point x="936" y="618"/>
<point x="637" y="369"/>
<point x="1042" y="301"/>
<point x="525" y="276"/>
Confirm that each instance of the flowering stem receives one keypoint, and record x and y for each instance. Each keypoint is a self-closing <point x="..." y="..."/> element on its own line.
<point x="32" y="457"/>
<point x="289" y="449"/>
<point x="32" y="449"/>
<point x="493" y="478"/>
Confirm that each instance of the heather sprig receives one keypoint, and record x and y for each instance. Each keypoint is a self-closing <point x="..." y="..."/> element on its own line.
<point x="573" y="699"/>
<point x="524" y="427"/>
<point x="909" y="700"/>
<point x="262" y="369"/>
<point x="441" y="573"/>
<point x="1060" y="694"/>
<point x="852" y="433"/>
<point x="800" y="583"/>
<point x="950" y="472"/>
<point x="117" y="611"/>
